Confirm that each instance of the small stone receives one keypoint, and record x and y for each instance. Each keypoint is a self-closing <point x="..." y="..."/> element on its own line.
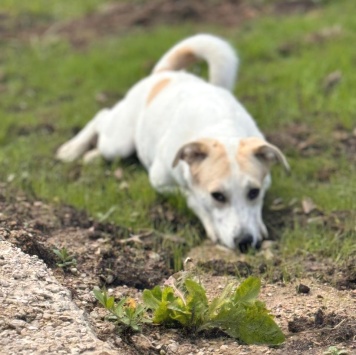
<point x="4" y="283"/>
<point x="66" y="319"/>
<point x="154" y="256"/>
<point x="173" y="347"/>
<point x="109" y="279"/>
<point x="303" y="288"/>
<point x="18" y="275"/>
<point x="17" y="323"/>
<point x="319" y="317"/>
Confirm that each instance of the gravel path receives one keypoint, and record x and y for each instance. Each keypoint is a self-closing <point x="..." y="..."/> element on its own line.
<point x="37" y="315"/>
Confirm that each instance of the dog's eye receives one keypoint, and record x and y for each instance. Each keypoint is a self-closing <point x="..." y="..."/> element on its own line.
<point x="218" y="196"/>
<point x="253" y="194"/>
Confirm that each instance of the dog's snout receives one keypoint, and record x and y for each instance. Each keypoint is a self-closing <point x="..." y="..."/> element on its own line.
<point x="244" y="243"/>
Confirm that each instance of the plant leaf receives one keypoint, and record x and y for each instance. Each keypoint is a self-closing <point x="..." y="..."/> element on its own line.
<point x="100" y="296"/>
<point x="218" y="302"/>
<point x="118" y="308"/>
<point x="255" y="326"/>
<point x="248" y="290"/>
<point x="110" y="301"/>
<point x="161" y="314"/>
<point x="58" y="253"/>
<point x="152" y="298"/>
<point x="197" y="302"/>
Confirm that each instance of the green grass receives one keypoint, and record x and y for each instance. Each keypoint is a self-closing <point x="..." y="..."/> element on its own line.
<point x="47" y="82"/>
<point x="54" y="9"/>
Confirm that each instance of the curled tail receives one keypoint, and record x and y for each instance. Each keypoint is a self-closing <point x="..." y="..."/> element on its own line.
<point x="220" y="56"/>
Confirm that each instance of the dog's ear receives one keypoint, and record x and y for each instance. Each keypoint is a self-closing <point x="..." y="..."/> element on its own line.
<point x="265" y="152"/>
<point x="192" y="153"/>
<point x="268" y="154"/>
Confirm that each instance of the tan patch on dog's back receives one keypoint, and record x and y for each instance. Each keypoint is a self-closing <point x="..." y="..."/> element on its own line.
<point x="180" y="59"/>
<point x="214" y="168"/>
<point x="246" y="160"/>
<point x="156" y="89"/>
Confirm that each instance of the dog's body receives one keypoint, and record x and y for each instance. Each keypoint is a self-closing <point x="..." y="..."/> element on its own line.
<point x="193" y="135"/>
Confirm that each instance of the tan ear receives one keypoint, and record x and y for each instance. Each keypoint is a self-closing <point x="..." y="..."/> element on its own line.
<point x="265" y="152"/>
<point x="191" y="153"/>
<point x="269" y="154"/>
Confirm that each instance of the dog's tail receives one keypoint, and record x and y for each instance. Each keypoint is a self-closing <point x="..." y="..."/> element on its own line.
<point x="220" y="56"/>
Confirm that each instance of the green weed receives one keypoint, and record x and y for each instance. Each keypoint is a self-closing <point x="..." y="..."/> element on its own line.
<point x="237" y="312"/>
<point x="333" y="350"/>
<point x="66" y="260"/>
<point x="126" y="314"/>
<point x="53" y="9"/>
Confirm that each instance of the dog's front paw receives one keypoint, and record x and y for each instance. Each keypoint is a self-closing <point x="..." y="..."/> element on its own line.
<point x="69" y="151"/>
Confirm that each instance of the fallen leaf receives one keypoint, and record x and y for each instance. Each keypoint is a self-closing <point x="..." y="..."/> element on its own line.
<point x="308" y="205"/>
<point x="324" y="34"/>
<point x="124" y="185"/>
<point x="101" y="97"/>
<point x="341" y="135"/>
<point x="119" y="173"/>
<point x="331" y="80"/>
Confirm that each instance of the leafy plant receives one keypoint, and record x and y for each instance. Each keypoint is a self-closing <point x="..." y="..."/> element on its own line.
<point x="333" y="350"/>
<point x="66" y="259"/>
<point x="127" y="314"/>
<point x="237" y="312"/>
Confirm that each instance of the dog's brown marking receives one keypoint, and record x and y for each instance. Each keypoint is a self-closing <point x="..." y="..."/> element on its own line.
<point x="256" y="156"/>
<point x="215" y="167"/>
<point x="156" y="89"/>
<point x="247" y="160"/>
<point x="180" y="59"/>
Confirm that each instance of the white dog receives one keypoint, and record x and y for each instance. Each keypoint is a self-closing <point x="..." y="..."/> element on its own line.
<point x="193" y="135"/>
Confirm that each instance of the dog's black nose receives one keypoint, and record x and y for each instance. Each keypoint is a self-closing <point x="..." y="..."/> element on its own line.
<point x="245" y="243"/>
<point x="258" y="245"/>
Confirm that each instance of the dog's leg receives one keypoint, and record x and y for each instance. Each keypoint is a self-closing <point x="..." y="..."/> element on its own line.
<point x="91" y="155"/>
<point x="116" y="136"/>
<point x="160" y="179"/>
<point x="78" y="145"/>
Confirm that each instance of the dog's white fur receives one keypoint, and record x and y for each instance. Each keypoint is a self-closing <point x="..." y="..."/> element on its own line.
<point x="193" y="135"/>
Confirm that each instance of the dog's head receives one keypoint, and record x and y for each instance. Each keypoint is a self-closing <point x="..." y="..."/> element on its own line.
<point x="225" y="183"/>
